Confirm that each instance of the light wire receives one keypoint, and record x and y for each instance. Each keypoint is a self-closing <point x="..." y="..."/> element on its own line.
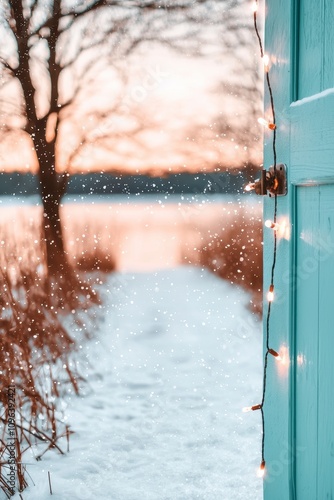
<point x="269" y="308"/>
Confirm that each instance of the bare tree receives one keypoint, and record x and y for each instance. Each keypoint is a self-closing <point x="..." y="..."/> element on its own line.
<point x="54" y="50"/>
<point x="230" y="139"/>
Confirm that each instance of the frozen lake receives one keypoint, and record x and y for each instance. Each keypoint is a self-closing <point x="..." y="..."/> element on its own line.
<point x="141" y="233"/>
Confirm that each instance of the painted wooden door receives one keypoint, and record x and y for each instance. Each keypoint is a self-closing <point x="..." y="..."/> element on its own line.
<point x="299" y="409"/>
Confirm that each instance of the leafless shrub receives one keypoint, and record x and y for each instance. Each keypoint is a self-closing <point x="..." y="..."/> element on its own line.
<point x="36" y="349"/>
<point x="234" y="251"/>
<point x="89" y="250"/>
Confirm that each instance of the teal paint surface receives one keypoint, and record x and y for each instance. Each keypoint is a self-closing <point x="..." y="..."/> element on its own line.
<point x="314" y="342"/>
<point x="299" y="410"/>
<point x="316" y="42"/>
<point x="325" y="465"/>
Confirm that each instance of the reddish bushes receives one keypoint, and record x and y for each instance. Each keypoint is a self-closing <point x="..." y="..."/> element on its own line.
<point x="234" y="250"/>
<point x="35" y="352"/>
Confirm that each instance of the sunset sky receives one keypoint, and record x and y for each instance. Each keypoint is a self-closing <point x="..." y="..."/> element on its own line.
<point x="155" y="113"/>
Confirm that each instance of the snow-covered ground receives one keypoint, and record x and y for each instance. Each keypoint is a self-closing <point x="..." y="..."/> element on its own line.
<point x="176" y="358"/>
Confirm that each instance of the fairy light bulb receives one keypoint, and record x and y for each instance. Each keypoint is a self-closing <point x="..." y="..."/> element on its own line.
<point x="267" y="124"/>
<point x="266" y="62"/>
<point x="272" y="225"/>
<point x="251" y="408"/>
<point x="250" y="187"/>
<point x="275" y="354"/>
<point x="262" y="469"/>
<point x="255" y="7"/>
<point x="270" y="294"/>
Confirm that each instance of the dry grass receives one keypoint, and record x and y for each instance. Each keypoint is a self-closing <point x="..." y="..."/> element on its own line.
<point x="234" y="251"/>
<point x="36" y="349"/>
<point x="89" y="248"/>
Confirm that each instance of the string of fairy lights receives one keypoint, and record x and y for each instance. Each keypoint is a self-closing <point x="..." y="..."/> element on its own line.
<point x="271" y="125"/>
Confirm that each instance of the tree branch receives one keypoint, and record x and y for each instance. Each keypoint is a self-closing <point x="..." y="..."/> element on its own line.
<point x="54" y="67"/>
<point x="7" y="65"/>
<point x="22" y="72"/>
<point x="79" y="13"/>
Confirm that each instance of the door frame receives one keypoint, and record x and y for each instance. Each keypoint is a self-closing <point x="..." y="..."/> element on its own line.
<point x="281" y="41"/>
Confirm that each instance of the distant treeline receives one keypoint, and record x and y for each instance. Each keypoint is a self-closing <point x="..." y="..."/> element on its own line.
<point x="104" y="183"/>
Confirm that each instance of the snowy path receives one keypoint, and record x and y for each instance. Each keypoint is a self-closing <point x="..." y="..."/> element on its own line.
<point x="179" y="355"/>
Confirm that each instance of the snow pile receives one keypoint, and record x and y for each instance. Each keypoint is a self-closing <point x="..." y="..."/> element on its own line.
<point x="175" y="360"/>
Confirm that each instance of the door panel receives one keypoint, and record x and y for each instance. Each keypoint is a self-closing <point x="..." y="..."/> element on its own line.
<point x="306" y="342"/>
<point x="314" y="343"/>
<point x="312" y="138"/>
<point x="310" y="48"/>
<point x="316" y="41"/>
<point x="325" y="471"/>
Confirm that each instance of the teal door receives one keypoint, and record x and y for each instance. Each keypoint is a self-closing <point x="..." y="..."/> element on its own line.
<point x="299" y="408"/>
<point x="314" y="342"/>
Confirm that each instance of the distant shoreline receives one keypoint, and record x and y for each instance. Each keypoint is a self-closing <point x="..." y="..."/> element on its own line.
<point x="18" y="184"/>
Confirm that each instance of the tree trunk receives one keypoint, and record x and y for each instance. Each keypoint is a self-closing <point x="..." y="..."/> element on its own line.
<point x="56" y="257"/>
<point x="52" y="188"/>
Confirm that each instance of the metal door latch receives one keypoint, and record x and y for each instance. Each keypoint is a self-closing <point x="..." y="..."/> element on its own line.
<point x="272" y="182"/>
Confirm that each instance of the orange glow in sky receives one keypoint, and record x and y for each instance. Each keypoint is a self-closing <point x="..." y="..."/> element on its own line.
<point x="161" y="118"/>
